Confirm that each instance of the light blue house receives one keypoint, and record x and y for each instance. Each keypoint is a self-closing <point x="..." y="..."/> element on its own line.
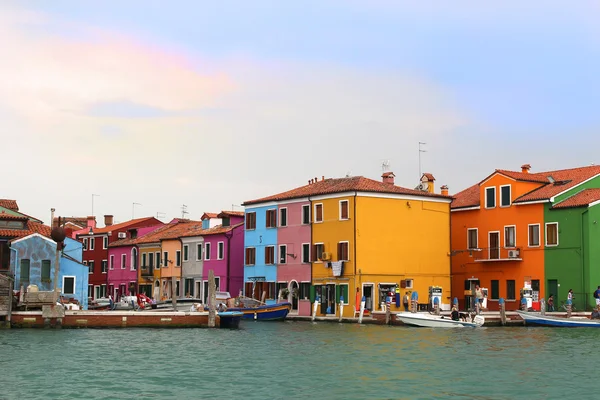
<point x="260" y="242"/>
<point x="33" y="259"/>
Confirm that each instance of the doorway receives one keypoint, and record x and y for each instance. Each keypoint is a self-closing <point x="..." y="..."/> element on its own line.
<point x="328" y="299"/>
<point x="494" y="245"/>
<point x="294" y="292"/>
<point x="553" y="289"/>
<point x="368" y="293"/>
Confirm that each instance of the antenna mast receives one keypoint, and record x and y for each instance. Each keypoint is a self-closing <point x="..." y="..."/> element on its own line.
<point x="133" y="209"/>
<point x="421" y="151"/>
<point x="385" y="166"/>
<point x="160" y="215"/>
<point x="183" y="211"/>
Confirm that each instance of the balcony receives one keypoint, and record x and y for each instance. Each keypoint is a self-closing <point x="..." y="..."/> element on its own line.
<point x="496" y="254"/>
<point x="147" y="272"/>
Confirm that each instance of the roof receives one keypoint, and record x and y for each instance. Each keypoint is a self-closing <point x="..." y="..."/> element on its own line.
<point x="10" y="204"/>
<point x="5" y="215"/>
<point x="215" y="230"/>
<point x="551" y="183"/>
<point x="225" y="214"/>
<point x="169" y="231"/>
<point x="32" y="227"/>
<point x="340" y="185"/>
<point x="429" y="176"/>
<point x="79" y="221"/>
<point x="581" y="199"/>
<point x="122" y="225"/>
<point x="208" y="215"/>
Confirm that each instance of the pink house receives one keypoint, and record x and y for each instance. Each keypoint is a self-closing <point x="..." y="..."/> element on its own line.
<point x="123" y="263"/>
<point x="294" y="258"/>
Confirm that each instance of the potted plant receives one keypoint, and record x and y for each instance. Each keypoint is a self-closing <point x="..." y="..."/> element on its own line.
<point x="285" y="292"/>
<point x="295" y="293"/>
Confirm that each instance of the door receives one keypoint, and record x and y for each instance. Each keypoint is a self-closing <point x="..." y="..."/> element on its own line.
<point x="494" y="245"/>
<point x="368" y="293"/>
<point x="552" y="289"/>
<point x="198" y="289"/>
<point x="205" y="292"/>
<point x="294" y="292"/>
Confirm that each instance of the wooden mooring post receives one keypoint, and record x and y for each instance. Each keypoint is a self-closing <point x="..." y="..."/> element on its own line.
<point x="502" y="305"/>
<point x="212" y="287"/>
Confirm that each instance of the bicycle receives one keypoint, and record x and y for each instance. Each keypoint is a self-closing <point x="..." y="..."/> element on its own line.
<point x="563" y="306"/>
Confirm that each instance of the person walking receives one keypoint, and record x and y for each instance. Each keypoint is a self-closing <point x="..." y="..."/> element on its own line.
<point x="551" y="303"/>
<point x="405" y="301"/>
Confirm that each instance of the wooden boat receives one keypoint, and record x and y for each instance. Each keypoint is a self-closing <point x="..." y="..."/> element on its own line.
<point x="230" y="319"/>
<point x="437" y="321"/>
<point x="550" y="320"/>
<point x="264" y="312"/>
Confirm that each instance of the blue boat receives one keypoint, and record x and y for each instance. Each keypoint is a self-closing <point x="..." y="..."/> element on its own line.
<point x="547" y="320"/>
<point x="230" y="319"/>
<point x="275" y="312"/>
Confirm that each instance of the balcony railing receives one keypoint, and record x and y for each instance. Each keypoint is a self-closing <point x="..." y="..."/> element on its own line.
<point x="148" y="271"/>
<point x="495" y="254"/>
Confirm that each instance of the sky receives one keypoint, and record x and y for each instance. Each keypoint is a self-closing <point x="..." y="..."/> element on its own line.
<point x="209" y="104"/>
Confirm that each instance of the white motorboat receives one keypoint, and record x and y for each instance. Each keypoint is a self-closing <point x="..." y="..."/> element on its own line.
<point x="438" y="321"/>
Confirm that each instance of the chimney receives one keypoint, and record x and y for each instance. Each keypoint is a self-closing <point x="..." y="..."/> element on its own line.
<point x="52" y="222"/>
<point x="429" y="180"/>
<point x="91" y="221"/>
<point x="388" y="177"/>
<point x="444" y="190"/>
<point x="108" y="220"/>
<point x="323" y="178"/>
<point x="525" y="168"/>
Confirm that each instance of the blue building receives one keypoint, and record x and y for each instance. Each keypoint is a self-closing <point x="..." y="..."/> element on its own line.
<point x="33" y="259"/>
<point x="260" y="264"/>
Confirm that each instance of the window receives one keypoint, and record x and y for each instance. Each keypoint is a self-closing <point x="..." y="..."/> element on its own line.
<point x="85" y="244"/>
<point x="134" y="259"/>
<point x="207" y="251"/>
<point x="305" y="253"/>
<point x="271" y="219"/>
<point x="343" y="251"/>
<point x="505" y="196"/>
<point x="490" y="197"/>
<point x="90" y="291"/>
<point x="306" y="214"/>
<point x="220" y="250"/>
<point x="144" y="261"/>
<point x="199" y="247"/>
<point x="535" y="285"/>
<point x="112" y="262"/>
<point x="92" y="243"/>
<point x="250" y="221"/>
<point x="166" y="259"/>
<point x="46" y="270"/>
<point x="552" y="234"/>
<point x="123" y="261"/>
<point x="226" y="221"/>
<point x="510" y="236"/>
<point x="270" y="288"/>
<point x="105" y="242"/>
<point x="186" y="252"/>
<point x="472" y="238"/>
<point x="158" y="260"/>
<point x="510" y="290"/>
<point x="283" y="217"/>
<point x="104" y="266"/>
<point x="283" y="254"/>
<point x="304" y="290"/>
<point x="68" y="286"/>
<point x="250" y="255"/>
<point x="342" y="292"/>
<point x="495" y="294"/>
<point x="319" y="249"/>
<point x="344" y="209"/>
<point x="91" y="267"/>
<point x="269" y="255"/>
<point x="178" y="258"/>
<point x="151" y="261"/>
<point x="318" y="212"/>
<point x="534" y="235"/>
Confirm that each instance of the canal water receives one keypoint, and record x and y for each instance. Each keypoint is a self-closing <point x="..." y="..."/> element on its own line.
<point x="299" y="360"/>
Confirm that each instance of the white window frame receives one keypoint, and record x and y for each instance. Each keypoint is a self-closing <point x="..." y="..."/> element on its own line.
<point x="123" y="261"/>
<point x="207" y="248"/>
<point x="546" y="234"/>
<point x="340" y="210"/>
<point x="199" y="254"/>
<point x="144" y="265"/>
<point x="490" y="246"/>
<point x="305" y="207"/>
<point x="104" y="242"/>
<point x="282" y="246"/>
<point x="186" y="253"/>
<point x="245" y="260"/>
<point x="246" y="221"/>
<point x="322" y="213"/>
<point x="412" y="283"/>
<point x="178" y="256"/>
<point x="319" y="258"/>
<point x="157" y="260"/>
<point x="267" y="218"/>
<point x="104" y="272"/>
<point x="506" y="246"/>
<point x="539" y="238"/>
<point x="486" y="197"/>
<point x="92" y="243"/>
<point x="477" y="235"/>
<point x="347" y="242"/>
<point x="132" y="265"/>
<point x="346" y="301"/>
<point x="275" y="255"/>
<point x="62" y="289"/>
<point x="165" y="259"/>
<point x="85" y="244"/>
<point x="90" y="291"/>
<point x="509" y="196"/>
<point x="111" y="264"/>
<point x="309" y="254"/>
<point x="220" y="249"/>
<point x="281" y="219"/>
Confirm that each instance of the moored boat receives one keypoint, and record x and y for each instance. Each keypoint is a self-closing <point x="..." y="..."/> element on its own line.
<point x="230" y="319"/>
<point x="275" y="312"/>
<point x="437" y="321"/>
<point x="556" y="321"/>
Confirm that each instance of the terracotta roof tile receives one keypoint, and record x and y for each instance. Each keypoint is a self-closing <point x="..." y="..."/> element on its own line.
<point x="122" y="225"/>
<point x="216" y="230"/>
<point x="230" y="214"/>
<point x="172" y="230"/>
<point x="429" y="176"/>
<point x="5" y="215"/>
<point x="208" y="215"/>
<point x="467" y="198"/>
<point x="79" y="221"/>
<point x="10" y="204"/>
<point x="339" y="185"/>
<point x="32" y="227"/>
<point x="581" y="199"/>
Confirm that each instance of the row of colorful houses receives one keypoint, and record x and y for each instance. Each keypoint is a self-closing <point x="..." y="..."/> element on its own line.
<point x="342" y="239"/>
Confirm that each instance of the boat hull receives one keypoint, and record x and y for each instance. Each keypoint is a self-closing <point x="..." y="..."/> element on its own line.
<point x="547" y="320"/>
<point x="429" y="321"/>
<point x="230" y="319"/>
<point x="275" y="312"/>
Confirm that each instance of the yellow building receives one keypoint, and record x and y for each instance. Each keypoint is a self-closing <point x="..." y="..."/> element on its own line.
<point x="388" y="239"/>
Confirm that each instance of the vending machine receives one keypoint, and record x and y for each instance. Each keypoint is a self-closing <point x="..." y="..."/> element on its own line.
<point x="527" y="293"/>
<point x="435" y="291"/>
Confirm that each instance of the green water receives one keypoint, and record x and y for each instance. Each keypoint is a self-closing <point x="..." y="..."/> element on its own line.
<point x="296" y="360"/>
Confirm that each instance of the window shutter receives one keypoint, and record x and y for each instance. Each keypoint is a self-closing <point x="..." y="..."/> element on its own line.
<point x="337" y="293"/>
<point x="312" y="294"/>
<point x="403" y="283"/>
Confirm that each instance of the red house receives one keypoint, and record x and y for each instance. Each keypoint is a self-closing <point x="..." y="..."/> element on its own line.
<point x="95" y="249"/>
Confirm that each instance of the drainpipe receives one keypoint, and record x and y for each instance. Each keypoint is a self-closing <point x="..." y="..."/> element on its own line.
<point x="181" y="278"/>
<point x="228" y="280"/>
<point x="583" y="272"/>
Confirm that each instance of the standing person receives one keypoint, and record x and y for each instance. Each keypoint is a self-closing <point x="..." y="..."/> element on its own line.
<point x="405" y="301"/>
<point x="551" y="303"/>
<point x="479" y="297"/>
<point x="597" y="297"/>
<point x="570" y="296"/>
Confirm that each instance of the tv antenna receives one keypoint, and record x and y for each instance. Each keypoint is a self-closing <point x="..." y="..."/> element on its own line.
<point x="160" y="215"/>
<point x="385" y="166"/>
<point x="133" y="209"/>
<point x="348" y="174"/>
<point x="421" y="151"/>
<point x="94" y="195"/>
<point x="183" y="211"/>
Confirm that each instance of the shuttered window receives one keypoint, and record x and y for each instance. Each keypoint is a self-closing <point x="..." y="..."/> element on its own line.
<point x="46" y="270"/>
<point x="318" y="212"/>
<point x="269" y="255"/>
<point x="250" y="220"/>
<point x="344" y="209"/>
<point x="319" y="249"/>
<point x="250" y="255"/>
<point x="343" y="251"/>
